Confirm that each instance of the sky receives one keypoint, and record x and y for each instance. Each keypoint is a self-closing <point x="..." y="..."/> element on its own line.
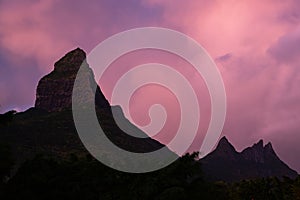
<point x="255" y="44"/>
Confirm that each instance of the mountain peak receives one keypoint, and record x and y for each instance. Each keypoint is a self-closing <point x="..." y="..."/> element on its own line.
<point x="225" y="144"/>
<point x="268" y="148"/>
<point x="224" y="139"/>
<point x="258" y="152"/>
<point x="255" y="161"/>
<point x="54" y="91"/>
<point x="255" y="153"/>
<point x="259" y="144"/>
<point x="71" y="61"/>
<point x="225" y="149"/>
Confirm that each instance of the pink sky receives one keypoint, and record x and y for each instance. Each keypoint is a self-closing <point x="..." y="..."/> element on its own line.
<point x="256" y="45"/>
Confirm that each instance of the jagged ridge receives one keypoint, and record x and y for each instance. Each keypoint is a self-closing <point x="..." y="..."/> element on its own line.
<point x="225" y="163"/>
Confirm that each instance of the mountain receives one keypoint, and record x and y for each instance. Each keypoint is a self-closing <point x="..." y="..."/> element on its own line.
<point x="226" y="164"/>
<point x="54" y="91"/>
<point x="48" y="128"/>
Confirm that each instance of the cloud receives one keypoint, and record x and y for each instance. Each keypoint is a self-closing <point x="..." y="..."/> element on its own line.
<point x="34" y="34"/>
<point x="224" y="58"/>
<point x="287" y="47"/>
<point x="264" y="39"/>
<point x="45" y="30"/>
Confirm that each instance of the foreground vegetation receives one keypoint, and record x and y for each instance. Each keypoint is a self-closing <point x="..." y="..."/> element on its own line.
<point x="46" y="177"/>
<point x="63" y="175"/>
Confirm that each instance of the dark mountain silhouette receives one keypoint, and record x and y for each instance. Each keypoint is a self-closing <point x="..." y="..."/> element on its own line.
<point x="48" y="128"/>
<point x="54" y="91"/>
<point x="225" y="163"/>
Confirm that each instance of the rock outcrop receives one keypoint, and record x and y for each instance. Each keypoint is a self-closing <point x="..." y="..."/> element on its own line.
<point x="49" y="129"/>
<point x="225" y="149"/>
<point x="54" y="91"/>
<point x="226" y="164"/>
<point x="259" y="153"/>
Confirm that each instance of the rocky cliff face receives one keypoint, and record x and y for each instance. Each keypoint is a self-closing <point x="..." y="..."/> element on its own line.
<point x="259" y="153"/>
<point x="54" y="91"/>
<point x="54" y="94"/>
<point x="225" y="163"/>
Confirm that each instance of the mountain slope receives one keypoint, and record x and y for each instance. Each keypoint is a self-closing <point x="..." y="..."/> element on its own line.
<point x="49" y="128"/>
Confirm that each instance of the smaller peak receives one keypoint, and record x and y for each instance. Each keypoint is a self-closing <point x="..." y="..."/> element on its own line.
<point x="224" y="143"/>
<point x="78" y="49"/>
<point x="268" y="147"/>
<point x="259" y="144"/>
<point x="224" y="139"/>
<point x="225" y="150"/>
